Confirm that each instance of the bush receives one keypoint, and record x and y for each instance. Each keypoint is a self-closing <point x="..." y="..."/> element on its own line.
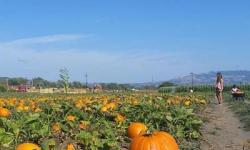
<point x="166" y="84"/>
<point x="2" y="88"/>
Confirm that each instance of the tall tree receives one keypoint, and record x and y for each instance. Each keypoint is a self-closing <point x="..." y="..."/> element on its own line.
<point x="64" y="75"/>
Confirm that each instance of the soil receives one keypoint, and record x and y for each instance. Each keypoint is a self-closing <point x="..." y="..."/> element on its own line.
<point x="222" y="130"/>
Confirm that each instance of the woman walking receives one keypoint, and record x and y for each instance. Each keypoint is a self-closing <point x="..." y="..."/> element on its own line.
<point x="219" y="87"/>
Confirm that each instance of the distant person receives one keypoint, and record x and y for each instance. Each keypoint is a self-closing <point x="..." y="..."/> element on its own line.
<point x="235" y="89"/>
<point x="237" y="93"/>
<point x="219" y="85"/>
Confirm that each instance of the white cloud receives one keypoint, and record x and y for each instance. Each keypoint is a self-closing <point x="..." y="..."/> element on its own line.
<point x="102" y="66"/>
<point x="44" y="39"/>
<point x="21" y="58"/>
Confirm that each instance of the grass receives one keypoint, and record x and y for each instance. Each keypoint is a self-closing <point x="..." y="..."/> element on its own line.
<point x="241" y="109"/>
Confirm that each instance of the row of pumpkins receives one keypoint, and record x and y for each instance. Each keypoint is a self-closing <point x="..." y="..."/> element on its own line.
<point x="158" y="140"/>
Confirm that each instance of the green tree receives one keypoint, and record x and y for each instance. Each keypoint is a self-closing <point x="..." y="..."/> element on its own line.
<point x="17" y="81"/>
<point x="40" y="82"/>
<point x="2" y="88"/>
<point x="166" y="84"/>
<point x="64" y="75"/>
<point x="76" y="84"/>
<point x="115" y="86"/>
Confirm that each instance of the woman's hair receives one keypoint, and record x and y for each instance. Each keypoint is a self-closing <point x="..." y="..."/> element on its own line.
<point x="234" y="86"/>
<point x="219" y="77"/>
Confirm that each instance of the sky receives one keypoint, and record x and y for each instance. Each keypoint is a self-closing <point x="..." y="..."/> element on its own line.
<point x="123" y="41"/>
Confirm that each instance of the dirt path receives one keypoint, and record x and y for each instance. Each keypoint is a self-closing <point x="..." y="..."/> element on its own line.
<point x="223" y="130"/>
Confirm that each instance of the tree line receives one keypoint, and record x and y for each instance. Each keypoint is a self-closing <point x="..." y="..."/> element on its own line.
<point x="39" y="82"/>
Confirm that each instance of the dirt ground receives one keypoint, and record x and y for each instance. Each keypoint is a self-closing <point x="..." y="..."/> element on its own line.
<point x="223" y="131"/>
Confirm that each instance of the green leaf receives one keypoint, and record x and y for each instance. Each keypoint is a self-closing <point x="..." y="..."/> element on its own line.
<point x="44" y="131"/>
<point x="32" y="118"/>
<point x="48" y="144"/>
<point x="195" y="135"/>
<point x="6" y="138"/>
<point x="64" y="128"/>
<point x="180" y="132"/>
<point x="196" y="122"/>
<point x="169" y="118"/>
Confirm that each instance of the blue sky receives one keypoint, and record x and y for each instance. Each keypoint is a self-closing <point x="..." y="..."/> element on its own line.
<point x="123" y="41"/>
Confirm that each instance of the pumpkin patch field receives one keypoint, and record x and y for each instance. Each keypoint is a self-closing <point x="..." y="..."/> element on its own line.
<point x="132" y="121"/>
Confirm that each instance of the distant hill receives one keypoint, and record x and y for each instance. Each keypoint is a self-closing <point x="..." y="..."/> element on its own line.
<point x="230" y="77"/>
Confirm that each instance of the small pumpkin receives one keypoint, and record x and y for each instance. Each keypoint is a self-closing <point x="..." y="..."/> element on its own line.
<point x="187" y="103"/>
<point x="71" y="118"/>
<point x="158" y="140"/>
<point x="56" y="127"/>
<point x="70" y="147"/>
<point x="20" y="108"/>
<point x="120" y="118"/>
<point x="28" y="146"/>
<point x="84" y="124"/>
<point x="111" y="105"/>
<point x="104" y="109"/>
<point x="136" y="128"/>
<point x="38" y="110"/>
<point x="4" y="112"/>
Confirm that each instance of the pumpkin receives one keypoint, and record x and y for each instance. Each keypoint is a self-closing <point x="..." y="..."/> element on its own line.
<point x="159" y="140"/>
<point x="83" y="124"/>
<point x="136" y="129"/>
<point x="38" y="110"/>
<point x="4" y="112"/>
<point x="104" y="109"/>
<point x="71" y="118"/>
<point x="119" y="118"/>
<point x="20" y="108"/>
<point x="70" y="147"/>
<point x="187" y="103"/>
<point x="28" y="146"/>
<point x="56" y="128"/>
<point x="111" y="105"/>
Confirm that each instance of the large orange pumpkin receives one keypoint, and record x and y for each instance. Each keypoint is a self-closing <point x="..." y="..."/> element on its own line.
<point x="4" y="112"/>
<point x="159" y="140"/>
<point x="28" y="146"/>
<point x="136" y="128"/>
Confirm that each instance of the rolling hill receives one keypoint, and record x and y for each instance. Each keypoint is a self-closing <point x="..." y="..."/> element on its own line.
<point x="230" y="77"/>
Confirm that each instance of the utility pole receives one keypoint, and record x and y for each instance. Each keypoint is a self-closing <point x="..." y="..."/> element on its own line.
<point x="86" y="77"/>
<point x="192" y="74"/>
<point x="7" y="84"/>
<point x="152" y="86"/>
<point x="32" y="83"/>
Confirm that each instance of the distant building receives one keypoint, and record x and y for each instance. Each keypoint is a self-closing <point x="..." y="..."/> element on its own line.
<point x="22" y="88"/>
